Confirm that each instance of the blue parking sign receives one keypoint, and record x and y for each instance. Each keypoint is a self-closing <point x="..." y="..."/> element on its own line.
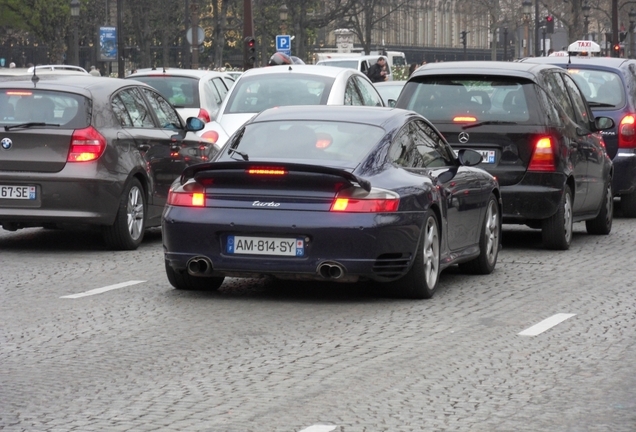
<point x="283" y="44"/>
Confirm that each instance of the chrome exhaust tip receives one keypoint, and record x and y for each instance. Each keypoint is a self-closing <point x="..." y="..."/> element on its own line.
<point x="331" y="270"/>
<point x="199" y="266"/>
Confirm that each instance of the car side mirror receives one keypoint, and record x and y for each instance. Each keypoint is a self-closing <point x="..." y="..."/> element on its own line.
<point x="392" y="103"/>
<point x="603" y="123"/>
<point x="468" y="157"/>
<point x="194" y="124"/>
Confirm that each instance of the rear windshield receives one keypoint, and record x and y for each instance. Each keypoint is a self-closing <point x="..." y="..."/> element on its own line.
<point x="64" y="110"/>
<point x="313" y="140"/>
<point x="599" y="87"/>
<point x="448" y="99"/>
<point x="257" y="93"/>
<point x="182" y="92"/>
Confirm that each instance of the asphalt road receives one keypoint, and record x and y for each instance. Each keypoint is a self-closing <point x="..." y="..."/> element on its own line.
<point x="261" y="355"/>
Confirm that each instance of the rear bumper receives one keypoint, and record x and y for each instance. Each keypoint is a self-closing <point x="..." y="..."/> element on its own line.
<point x="62" y="198"/>
<point x="368" y="246"/>
<point x="537" y="196"/>
<point x="624" y="180"/>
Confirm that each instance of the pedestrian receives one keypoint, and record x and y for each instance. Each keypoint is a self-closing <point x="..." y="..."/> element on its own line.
<point x="94" y="71"/>
<point x="377" y="72"/>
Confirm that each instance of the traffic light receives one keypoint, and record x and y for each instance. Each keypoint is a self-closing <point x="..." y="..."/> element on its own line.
<point x="250" y="52"/>
<point x="617" y="50"/>
<point x="463" y="34"/>
<point x="549" y="24"/>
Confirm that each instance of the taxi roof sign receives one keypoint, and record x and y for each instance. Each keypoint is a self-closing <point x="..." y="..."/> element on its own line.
<point x="559" y="54"/>
<point x="584" y="46"/>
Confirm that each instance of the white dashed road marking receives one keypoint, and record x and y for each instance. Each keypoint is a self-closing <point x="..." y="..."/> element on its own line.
<point x="104" y="289"/>
<point x="546" y="324"/>
<point x="319" y="428"/>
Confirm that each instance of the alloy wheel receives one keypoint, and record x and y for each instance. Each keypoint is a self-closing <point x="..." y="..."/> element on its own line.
<point x="492" y="231"/>
<point x="431" y="253"/>
<point x="135" y="212"/>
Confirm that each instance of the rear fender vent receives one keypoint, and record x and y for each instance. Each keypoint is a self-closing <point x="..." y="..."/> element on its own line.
<point x="392" y="265"/>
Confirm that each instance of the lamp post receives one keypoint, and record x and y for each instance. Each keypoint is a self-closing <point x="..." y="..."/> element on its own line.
<point x="586" y="15"/>
<point x="282" y="14"/>
<point x="632" y="21"/>
<point x="505" y="47"/>
<point x="527" y="12"/>
<point x="75" y="11"/>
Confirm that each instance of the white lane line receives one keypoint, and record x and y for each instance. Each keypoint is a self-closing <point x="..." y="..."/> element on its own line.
<point x="104" y="289"/>
<point x="319" y="428"/>
<point x="546" y="324"/>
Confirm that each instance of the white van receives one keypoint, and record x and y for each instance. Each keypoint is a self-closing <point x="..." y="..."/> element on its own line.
<point x="361" y="63"/>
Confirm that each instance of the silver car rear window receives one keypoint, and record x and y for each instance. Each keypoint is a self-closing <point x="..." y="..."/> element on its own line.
<point x="63" y="110"/>
<point x="257" y="93"/>
<point x="602" y="87"/>
<point x="182" y="92"/>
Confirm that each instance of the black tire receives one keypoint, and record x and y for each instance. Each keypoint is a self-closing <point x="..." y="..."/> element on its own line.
<point x="127" y="232"/>
<point x="182" y="280"/>
<point x="557" y="229"/>
<point x="421" y="280"/>
<point x="489" y="241"/>
<point x="628" y="205"/>
<point x="602" y="223"/>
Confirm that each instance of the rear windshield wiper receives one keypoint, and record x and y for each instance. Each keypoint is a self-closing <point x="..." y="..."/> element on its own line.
<point x="489" y="122"/>
<point x="599" y="104"/>
<point x="28" y="125"/>
<point x="243" y="155"/>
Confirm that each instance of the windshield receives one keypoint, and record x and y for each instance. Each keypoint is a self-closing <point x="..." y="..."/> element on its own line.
<point x="447" y="99"/>
<point x="20" y="106"/>
<point x="599" y="86"/>
<point x="180" y="91"/>
<point x="257" y="93"/>
<point x="307" y="139"/>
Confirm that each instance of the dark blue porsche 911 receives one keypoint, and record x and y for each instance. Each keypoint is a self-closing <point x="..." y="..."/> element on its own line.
<point x="335" y="194"/>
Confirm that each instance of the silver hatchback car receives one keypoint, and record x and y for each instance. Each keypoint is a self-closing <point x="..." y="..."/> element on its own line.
<point x="193" y="92"/>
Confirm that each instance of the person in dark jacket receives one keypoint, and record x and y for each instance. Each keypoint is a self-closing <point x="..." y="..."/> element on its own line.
<point x="377" y="72"/>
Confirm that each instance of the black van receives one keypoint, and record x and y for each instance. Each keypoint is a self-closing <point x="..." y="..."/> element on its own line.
<point x="609" y="85"/>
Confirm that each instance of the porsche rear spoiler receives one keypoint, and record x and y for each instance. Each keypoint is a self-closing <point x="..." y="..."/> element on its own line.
<point x="207" y="170"/>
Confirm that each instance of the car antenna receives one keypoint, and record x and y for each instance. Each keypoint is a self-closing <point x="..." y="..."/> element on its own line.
<point x="290" y="68"/>
<point x="164" y="69"/>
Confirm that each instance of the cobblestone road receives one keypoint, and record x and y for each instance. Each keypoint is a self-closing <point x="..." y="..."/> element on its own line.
<point x="264" y="356"/>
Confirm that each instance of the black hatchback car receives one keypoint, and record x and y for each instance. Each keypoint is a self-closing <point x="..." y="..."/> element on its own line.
<point x="609" y="85"/>
<point x="536" y="134"/>
<point x="90" y="151"/>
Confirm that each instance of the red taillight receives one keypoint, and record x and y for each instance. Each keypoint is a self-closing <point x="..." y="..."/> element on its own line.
<point x="186" y="199"/>
<point x="543" y="156"/>
<point x="376" y="201"/>
<point x="266" y="171"/>
<point x="627" y="132"/>
<point x="210" y="136"/>
<point x="204" y="115"/>
<point x="86" y="145"/>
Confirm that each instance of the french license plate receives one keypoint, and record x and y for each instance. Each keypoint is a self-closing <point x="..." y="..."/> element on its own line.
<point x="265" y="246"/>
<point x="17" y="192"/>
<point x="487" y="156"/>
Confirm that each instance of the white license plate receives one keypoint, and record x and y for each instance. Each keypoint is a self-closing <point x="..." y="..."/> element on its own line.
<point x="265" y="246"/>
<point x="17" y="192"/>
<point x="487" y="156"/>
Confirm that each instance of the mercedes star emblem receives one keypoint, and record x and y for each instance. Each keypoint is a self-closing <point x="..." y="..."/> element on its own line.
<point x="463" y="137"/>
